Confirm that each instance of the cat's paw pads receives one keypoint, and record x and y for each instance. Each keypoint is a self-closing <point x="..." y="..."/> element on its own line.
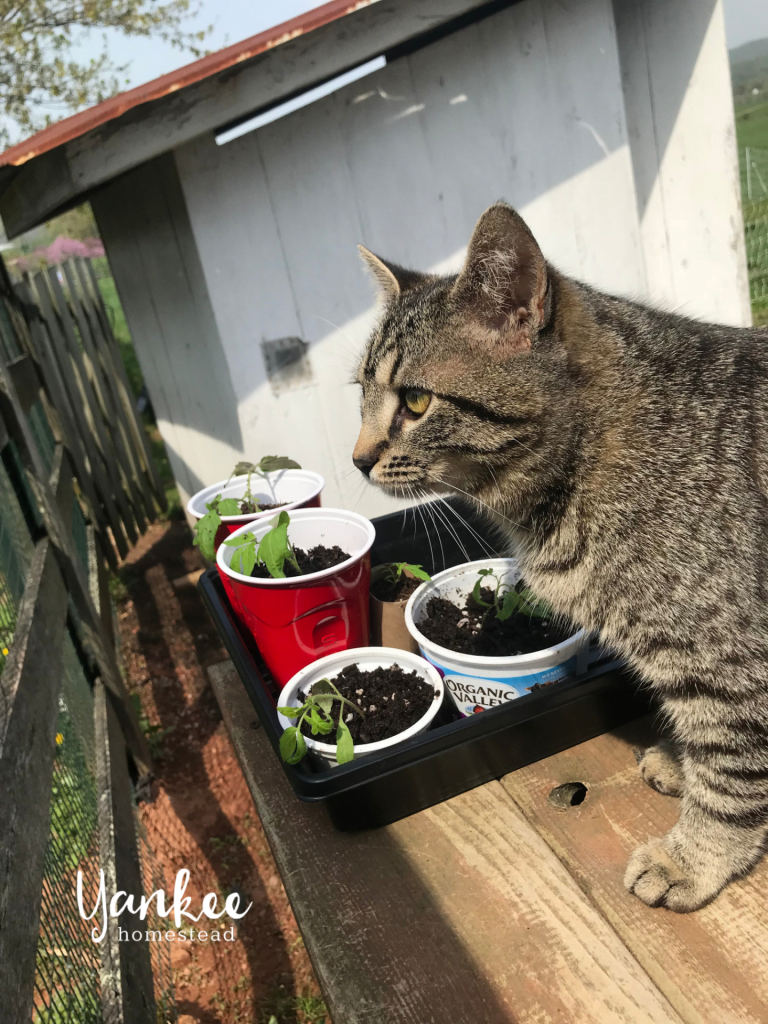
<point x="658" y="880"/>
<point x="659" y="770"/>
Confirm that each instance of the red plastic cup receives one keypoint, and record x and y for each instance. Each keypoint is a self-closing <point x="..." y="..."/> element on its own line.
<point x="298" y="488"/>
<point x="296" y="620"/>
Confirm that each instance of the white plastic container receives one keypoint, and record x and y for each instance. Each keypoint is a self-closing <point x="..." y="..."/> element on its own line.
<point x="296" y="487"/>
<point x="367" y="658"/>
<point x="476" y="683"/>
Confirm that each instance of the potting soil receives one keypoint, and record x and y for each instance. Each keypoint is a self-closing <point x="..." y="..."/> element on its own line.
<point x="391" y="699"/>
<point x="405" y="586"/>
<point x="314" y="560"/>
<point x="469" y="630"/>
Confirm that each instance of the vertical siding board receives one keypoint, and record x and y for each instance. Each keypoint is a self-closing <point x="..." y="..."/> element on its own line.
<point x="146" y="232"/>
<point x="677" y="93"/>
<point x="116" y="369"/>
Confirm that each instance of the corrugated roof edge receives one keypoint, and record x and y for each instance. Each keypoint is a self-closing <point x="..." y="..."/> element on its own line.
<point x="86" y="120"/>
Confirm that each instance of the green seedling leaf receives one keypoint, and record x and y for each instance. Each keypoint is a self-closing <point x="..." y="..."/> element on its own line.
<point x="345" y="747"/>
<point x="382" y="572"/>
<point x="292" y="745"/>
<point x="319" y="722"/>
<point x="229" y="507"/>
<point x="243" y="468"/>
<point x="417" y="571"/>
<point x="242" y="538"/>
<point x="323" y="692"/>
<point x="244" y="558"/>
<point x="206" y="529"/>
<point x="274" y="547"/>
<point x="509" y="603"/>
<point x="270" y="463"/>
<point x="476" y="591"/>
<point x="290" y="712"/>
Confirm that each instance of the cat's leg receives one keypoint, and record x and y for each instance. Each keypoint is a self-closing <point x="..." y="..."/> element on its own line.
<point x="660" y="768"/>
<point x="724" y="813"/>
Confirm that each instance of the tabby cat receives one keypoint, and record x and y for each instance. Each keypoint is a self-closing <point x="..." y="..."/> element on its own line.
<point x="627" y="451"/>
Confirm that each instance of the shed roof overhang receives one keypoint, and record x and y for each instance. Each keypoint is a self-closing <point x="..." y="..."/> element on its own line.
<point x="60" y="166"/>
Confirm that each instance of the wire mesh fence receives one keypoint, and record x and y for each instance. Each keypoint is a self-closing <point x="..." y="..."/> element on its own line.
<point x="753" y="166"/>
<point x="67" y="979"/>
<point x="15" y="556"/>
<point x="68" y="964"/>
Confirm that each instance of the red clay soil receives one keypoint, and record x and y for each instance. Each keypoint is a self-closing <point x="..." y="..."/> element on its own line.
<point x="200" y="815"/>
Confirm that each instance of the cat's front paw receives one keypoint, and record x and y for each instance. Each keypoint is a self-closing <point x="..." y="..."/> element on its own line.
<point x="660" y="770"/>
<point x="656" y="878"/>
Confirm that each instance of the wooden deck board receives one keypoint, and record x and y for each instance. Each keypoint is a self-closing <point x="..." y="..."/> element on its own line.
<point x="711" y="965"/>
<point x="461" y="913"/>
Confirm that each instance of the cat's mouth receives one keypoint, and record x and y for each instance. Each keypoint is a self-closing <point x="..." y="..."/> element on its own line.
<point x="403" y="477"/>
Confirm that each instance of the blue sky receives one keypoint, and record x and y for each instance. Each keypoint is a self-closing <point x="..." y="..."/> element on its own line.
<point x="237" y="19"/>
<point x="232" y="21"/>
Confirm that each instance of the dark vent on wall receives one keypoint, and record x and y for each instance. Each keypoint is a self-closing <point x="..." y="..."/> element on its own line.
<point x="287" y="363"/>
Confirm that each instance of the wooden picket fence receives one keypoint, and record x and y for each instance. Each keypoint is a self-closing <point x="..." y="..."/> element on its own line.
<point x="77" y="487"/>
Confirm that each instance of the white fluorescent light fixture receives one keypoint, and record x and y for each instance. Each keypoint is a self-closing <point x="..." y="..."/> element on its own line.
<point x="310" y="96"/>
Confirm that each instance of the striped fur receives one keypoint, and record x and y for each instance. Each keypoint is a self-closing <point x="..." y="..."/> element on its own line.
<point x="629" y="448"/>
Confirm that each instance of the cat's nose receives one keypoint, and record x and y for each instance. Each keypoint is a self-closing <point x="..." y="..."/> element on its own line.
<point x="366" y="462"/>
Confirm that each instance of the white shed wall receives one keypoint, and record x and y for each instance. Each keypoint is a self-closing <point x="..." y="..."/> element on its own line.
<point x="606" y="122"/>
<point x="679" y="109"/>
<point x="526" y="105"/>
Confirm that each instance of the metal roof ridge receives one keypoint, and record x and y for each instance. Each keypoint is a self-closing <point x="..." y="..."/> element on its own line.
<point x="86" y="120"/>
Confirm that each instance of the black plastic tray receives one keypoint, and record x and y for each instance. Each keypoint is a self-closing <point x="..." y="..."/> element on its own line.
<point x="456" y="754"/>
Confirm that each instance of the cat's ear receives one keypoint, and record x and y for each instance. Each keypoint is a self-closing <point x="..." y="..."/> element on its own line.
<point x="392" y="279"/>
<point x="504" y="279"/>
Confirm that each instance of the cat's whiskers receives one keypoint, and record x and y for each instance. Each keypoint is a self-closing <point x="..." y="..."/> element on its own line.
<point x="506" y="519"/>
<point x="491" y="552"/>
<point x="430" y="510"/>
<point x="417" y="508"/>
<point x="436" y="510"/>
<point x="355" y="345"/>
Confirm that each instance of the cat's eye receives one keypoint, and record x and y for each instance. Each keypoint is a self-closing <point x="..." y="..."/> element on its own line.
<point x="417" y="401"/>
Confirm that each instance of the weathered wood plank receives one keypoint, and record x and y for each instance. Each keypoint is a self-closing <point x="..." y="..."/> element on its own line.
<point x="115" y="370"/>
<point x="458" y="913"/>
<point x="72" y="572"/>
<point x="127" y="990"/>
<point x="29" y="688"/>
<point x="711" y="965"/>
<point x="112" y="410"/>
<point x="25" y="379"/>
<point x="56" y="352"/>
<point x="91" y="406"/>
<point x="50" y="374"/>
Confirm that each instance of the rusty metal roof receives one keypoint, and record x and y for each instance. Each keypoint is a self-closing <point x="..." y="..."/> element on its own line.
<point x="86" y="120"/>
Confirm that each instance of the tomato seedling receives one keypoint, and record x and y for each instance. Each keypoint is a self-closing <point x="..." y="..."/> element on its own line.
<point x="316" y="711"/>
<point x="507" y="599"/>
<point x="274" y="550"/>
<point x="207" y="527"/>
<point x="390" y="573"/>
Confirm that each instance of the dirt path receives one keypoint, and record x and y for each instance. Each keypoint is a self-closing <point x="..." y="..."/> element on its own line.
<point x="201" y="816"/>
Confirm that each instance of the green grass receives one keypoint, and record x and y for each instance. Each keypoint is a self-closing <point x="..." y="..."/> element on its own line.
<point x="285" y="1008"/>
<point x="752" y="127"/>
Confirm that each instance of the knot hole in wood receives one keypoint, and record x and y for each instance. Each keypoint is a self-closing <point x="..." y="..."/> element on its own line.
<point x="570" y="794"/>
